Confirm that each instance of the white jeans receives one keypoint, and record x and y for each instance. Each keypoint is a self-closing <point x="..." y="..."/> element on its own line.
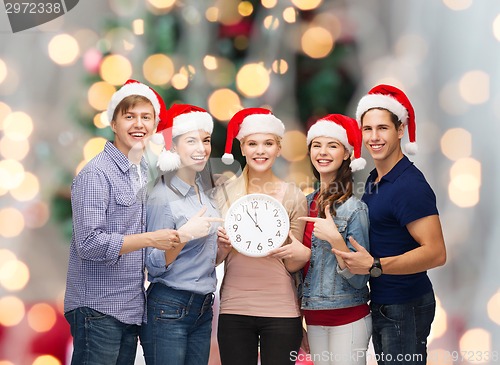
<point x="340" y="345"/>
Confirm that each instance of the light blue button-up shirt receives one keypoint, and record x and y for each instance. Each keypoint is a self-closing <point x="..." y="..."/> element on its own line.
<point x="194" y="269"/>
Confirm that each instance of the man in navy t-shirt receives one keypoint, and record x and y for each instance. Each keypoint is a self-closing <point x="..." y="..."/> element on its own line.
<point x="406" y="238"/>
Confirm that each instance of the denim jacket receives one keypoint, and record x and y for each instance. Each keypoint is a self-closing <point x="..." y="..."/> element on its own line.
<point x="326" y="286"/>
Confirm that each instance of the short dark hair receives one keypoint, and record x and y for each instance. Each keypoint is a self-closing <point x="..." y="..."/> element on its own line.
<point x="394" y="118"/>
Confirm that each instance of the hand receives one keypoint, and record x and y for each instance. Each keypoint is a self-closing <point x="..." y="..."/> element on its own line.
<point x="358" y="262"/>
<point x="166" y="239"/>
<point x="295" y="250"/>
<point x="197" y="226"/>
<point x="324" y="228"/>
<point x="223" y="242"/>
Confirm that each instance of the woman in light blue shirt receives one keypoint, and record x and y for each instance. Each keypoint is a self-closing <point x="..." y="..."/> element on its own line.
<point x="180" y="297"/>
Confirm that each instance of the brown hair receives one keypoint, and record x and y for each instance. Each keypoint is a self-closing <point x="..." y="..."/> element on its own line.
<point x="338" y="190"/>
<point x="394" y="117"/>
<point x="128" y="103"/>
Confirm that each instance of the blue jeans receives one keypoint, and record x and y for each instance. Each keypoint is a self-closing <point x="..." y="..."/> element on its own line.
<point x="99" y="339"/>
<point x="400" y="331"/>
<point x="179" y="327"/>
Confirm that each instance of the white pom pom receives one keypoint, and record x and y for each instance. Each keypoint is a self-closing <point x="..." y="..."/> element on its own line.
<point x="158" y="139"/>
<point x="411" y="148"/>
<point x="168" y="161"/>
<point x="358" y="164"/>
<point x="227" y="158"/>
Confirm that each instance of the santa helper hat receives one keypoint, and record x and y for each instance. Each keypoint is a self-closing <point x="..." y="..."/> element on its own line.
<point x="250" y="121"/>
<point x="345" y="130"/>
<point x="394" y="100"/>
<point x="179" y="119"/>
<point x="134" y="87"/>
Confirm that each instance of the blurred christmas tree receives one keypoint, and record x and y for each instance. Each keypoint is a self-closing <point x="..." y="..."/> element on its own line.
<point x="296" y="57"/>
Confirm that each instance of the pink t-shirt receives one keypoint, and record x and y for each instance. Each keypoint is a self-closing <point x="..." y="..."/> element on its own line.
<point x="261" y="286"/>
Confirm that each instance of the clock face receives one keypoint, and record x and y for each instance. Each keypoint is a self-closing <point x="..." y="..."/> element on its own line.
<point x="256" y="224"/>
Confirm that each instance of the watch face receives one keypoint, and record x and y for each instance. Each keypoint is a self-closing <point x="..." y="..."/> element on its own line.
<point x="375" y="272"/>
<point x="256" y="224"/>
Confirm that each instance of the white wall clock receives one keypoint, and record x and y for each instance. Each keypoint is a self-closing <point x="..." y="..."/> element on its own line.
<point x="256" y="224"/>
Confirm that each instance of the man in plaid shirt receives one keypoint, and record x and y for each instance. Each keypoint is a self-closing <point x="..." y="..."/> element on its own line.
<point x="105" y="298"/>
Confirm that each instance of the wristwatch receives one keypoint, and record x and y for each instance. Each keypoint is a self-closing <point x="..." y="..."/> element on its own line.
<point x="376" y="269"/>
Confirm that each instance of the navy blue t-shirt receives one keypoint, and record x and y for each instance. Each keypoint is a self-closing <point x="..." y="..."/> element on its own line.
<point x="401" y="197"/>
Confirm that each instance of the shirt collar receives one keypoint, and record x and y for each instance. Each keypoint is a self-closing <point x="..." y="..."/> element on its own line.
<point x="395" y="172"/>
<point x="120" y="159"/>
<point x="181" y="186"/>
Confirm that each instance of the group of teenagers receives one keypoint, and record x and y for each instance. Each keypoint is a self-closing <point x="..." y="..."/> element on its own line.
<point x="351" y="269"/>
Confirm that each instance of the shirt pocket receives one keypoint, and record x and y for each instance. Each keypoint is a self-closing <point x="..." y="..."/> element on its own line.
<point x="125" y="200"/>
<point x="126" y="213"/>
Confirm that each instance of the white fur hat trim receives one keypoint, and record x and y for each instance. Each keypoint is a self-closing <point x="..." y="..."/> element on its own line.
<point x="325" y="128"/>
<point x="371" y="101"/>
<point x="261" y="123"/>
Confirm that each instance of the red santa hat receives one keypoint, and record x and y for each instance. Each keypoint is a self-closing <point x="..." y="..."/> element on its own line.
<point x="179" y="119"/>
<point x="250" y="121"/>
<point x="394" y="100"/>
<point x="134" y="87"/>
<point x="345" y="130"/>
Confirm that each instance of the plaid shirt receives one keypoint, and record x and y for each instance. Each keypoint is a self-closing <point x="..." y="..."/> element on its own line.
<point x="105" y="208"/>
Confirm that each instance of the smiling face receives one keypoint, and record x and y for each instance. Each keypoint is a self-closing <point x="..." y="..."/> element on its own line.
<point x="194" y="149"/>
<point x="327" y="155"/>
<point x="260" y="150"/>
<point x="133" y="125"/>
<point x="381" y="137"/>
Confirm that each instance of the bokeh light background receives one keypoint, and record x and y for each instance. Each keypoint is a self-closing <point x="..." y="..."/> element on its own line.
<point x="444" y="53"/>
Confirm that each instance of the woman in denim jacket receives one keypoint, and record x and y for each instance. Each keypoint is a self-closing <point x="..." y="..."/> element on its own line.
<point x="334" y="301"/>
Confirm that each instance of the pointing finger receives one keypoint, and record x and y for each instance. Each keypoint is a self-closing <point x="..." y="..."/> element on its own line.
<point x="355" y="244"/>
<point x="309" y="219"/>
<point x="339" y="253"/>
<point x="213" y="219"/>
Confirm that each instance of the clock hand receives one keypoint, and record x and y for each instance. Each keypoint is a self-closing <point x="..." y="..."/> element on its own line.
<point x="256" y="223"/>
<point x="253" y="220"/>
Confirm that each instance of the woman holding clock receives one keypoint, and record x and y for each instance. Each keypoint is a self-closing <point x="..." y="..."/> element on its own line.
<point x="334" y="301"/>
<point x="180" y="297"/>
<point x="258" y="302"/>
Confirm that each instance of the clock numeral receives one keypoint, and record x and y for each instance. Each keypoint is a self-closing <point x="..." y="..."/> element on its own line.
<point x="278" y="234"/>
<point x="279" y="223"/>
<point x="259" y="247"/>
<point x="255" y="205"/>
<point x="235" y="227"/>
<point x="266" y="205"/>
<point x="270" y="241"/>
<point x="237" y="217"/>
<point x="244" y="207"/>
<point x="275" y="213"/>
<point x="238" y="238"/>
<point x="249" y="243"/>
